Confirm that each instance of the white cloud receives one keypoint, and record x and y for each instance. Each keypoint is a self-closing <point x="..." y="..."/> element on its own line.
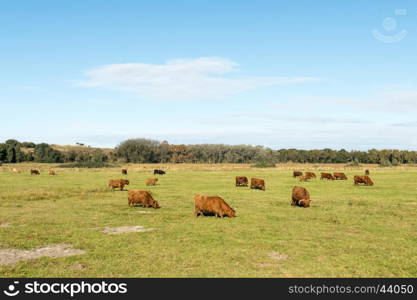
<point x="201" y="78"/>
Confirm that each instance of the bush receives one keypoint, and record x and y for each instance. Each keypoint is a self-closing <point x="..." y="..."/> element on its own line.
<point x="46" y="154"/>
<point x="87" y="164"/>
<point x="385" y="163"/>
<point x="263" y="164"/>
<point x="354" y="163"/>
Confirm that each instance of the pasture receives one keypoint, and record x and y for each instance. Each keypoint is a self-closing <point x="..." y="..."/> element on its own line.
<point x="349" y="231"/>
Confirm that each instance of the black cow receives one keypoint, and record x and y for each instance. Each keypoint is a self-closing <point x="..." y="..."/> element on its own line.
<point x="158" y="172"/>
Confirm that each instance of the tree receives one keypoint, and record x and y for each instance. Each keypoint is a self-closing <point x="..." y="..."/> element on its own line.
<point x="3" y="153"/>
<point x="45" y="153"/>
<point x="139" y="151"/>
<point x="11" y="153"/>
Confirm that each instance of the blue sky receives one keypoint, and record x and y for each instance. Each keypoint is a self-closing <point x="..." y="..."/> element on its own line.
<point x="283" y="74"/>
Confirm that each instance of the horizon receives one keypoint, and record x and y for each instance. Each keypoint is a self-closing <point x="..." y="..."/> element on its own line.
<point x="249" y="145"/>
<point x="329" y="75"/>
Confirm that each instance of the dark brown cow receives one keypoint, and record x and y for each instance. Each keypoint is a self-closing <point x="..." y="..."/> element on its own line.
<point x="327" y="176"/>
<point x="340" y="176"/>
<point x="118" y="183"/>
<point x="212" y="205"/>
<point x="366" y="180"/>
<point x="34" y="172"/>
<point x="151" y="181"/>
<point x="367" y="172"/>
<point x="310" y="175"/>
<point x="300" y="197"/>
<point x="256" y="183"/>
<point x="297" y="173"/>
<point x="142" y="198"/>
<point x="160" y="172"/>
<point x="241" y="181"/>
<point x="124" y="171"/>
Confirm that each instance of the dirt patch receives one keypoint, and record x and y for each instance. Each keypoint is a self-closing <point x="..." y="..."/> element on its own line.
<point x="143" y="212"/>
<point x="78" y="267"/>
<point x="10" y="225"/>
<point x="11" y="256"/>
<point x="277" y="256"/>
<point x="125" y="229"/>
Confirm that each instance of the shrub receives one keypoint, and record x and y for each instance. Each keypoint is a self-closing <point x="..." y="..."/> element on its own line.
<point x="385" y="163"/>
<point x="354" y="163"/>
<point x="46" y="154"/>
<point x="87" y="164"/>
<point x="263" y="164"/>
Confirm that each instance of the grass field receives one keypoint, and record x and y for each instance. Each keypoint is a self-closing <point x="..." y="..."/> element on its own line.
<point x="349" y="231"/>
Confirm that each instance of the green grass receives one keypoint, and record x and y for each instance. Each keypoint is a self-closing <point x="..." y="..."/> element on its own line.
<point x="349" y="231"/>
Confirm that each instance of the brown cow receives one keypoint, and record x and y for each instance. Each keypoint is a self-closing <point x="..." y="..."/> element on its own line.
<point x="327" y="176"/>
<point x="300" y="197"/>
<point x="310" y="175"/>
<point x="367" y="172"/>
<point x="366" y="180"/>
<point x="256" y="183"/>
<point x="212" y="205"/>
<point x="51" y="172"/>
<point x="34" y="172"/>
<point x="304" y="178"/>
<point x="340" y="176"/>
<point x="151" y="181"/>
<point x="297" y="173"/>
<point x="142" y="198"/>
<point x="118" y="183"/>
<point x="241" y="181"/>
<point x="14" y="170"/>
<point x="124" y="171"/>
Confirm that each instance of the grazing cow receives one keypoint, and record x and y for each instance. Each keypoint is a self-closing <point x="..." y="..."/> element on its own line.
<point x="34" y="172"/>
<point x="340" y="176"/>
<point x="51" y="172"/>
<point x="256" y="183"/>
<point x="241" y="181"/>
<point x="14" y="170"/>
<point x="297" y="173"/>
<point x="310" y="175"/>
<point x="142" y="198"/>
<point x="212" y="205"/>
<point x="366" y="180"/>
<point x="158" y="172"/>
<point x="151" y="181"/>
<point x="124" y="171"/>
<point x="327" y="176"/>
<point x="118" y="183"/>
<point x="300" y="197"/>
<point x="367" y="172"/>
<point x="304" y="178"/>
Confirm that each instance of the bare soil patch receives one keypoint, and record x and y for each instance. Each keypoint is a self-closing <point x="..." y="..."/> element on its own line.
<point x="11" y="256"/>
<point x="125" y="229"/>
<point x="277" y="256"/>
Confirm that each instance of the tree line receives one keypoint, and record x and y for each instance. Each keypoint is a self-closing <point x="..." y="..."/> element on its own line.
<point x="152" y="151"/>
